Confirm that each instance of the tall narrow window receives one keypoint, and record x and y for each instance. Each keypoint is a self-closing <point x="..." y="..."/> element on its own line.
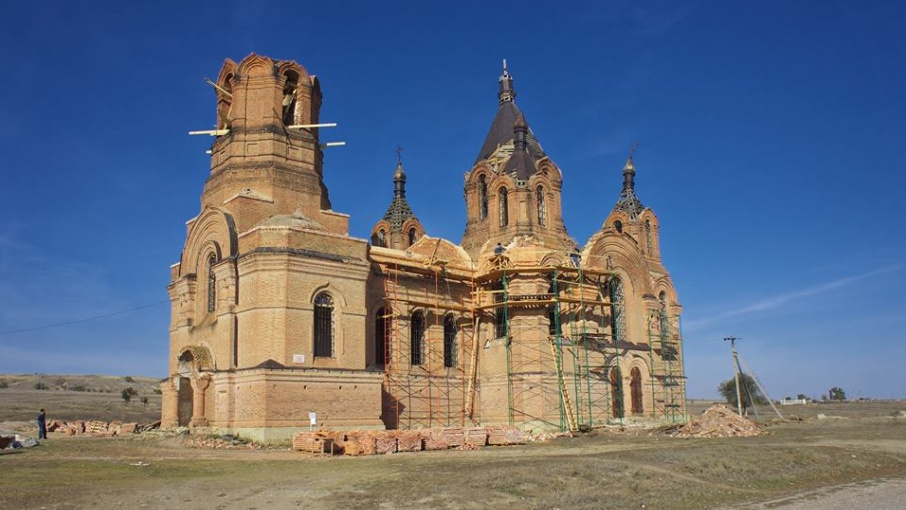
<point x="417" y="338"/>
<point x="413" y="236"/>
<point x="323" y="325"/>
<point x="542" y="208"/>
<point x="616" y="392"/>
<point x="553" y="320"/>
<point x="212" y="283"/>
<point x="289" y="98"/>
<point x="482" y="197"/>
<point x="449" y="341"/>
<point x="617" y="312"/>
<point x="635" y="390"/>
<point x="504" y="208"/>
<point x="382" y="325"/>
<point x="648" y="242"/>
<point x="618" y="225"/>
<point x="500" y="313"/>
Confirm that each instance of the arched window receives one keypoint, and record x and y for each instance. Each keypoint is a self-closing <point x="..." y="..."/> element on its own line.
<point x="635" y="390"/>
<point x="648" y="242"/>
<point x="323" y="325"/>
<point x="413" y="236"/>
<point x="616" y="393"/>
<point x="417" y="338"/>
<point x="449" y="341"/>
<point x="617" y="311"/>
<point x="225" y="103"/>
<point x="504" y="207"/>
<point x="289" y="98"/>
<point x="382" y="324"/>
<point x="482" y="197"/>
<point x="542" y="208"/>
<point x="380" y="239"/>
<point x="212" y="283"/>
<point x="618" y="225"/>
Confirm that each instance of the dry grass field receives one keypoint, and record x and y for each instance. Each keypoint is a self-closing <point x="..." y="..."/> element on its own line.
<point x="601" y="470"/>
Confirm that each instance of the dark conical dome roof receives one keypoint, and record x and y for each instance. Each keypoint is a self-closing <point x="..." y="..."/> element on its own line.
<point x="502" y="128"/>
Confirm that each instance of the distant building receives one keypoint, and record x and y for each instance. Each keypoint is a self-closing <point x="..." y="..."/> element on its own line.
<point x="277" y="312"/>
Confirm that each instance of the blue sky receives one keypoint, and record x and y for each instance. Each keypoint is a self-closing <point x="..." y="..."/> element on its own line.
<point x="771" y="147"/>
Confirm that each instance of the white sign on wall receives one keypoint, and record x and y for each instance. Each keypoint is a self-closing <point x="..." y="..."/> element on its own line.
<point x="298" y="358"/>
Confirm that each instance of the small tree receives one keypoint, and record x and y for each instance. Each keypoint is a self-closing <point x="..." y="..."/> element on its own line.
<point x="127" y="394"/>
<point x="836" y="393"/>
<point x="145" y="401"/>
<point x="802" y="396"/>
<point x="748" y="391"/>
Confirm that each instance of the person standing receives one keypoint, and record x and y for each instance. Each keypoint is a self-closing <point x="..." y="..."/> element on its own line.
<point x="42" y="425"/>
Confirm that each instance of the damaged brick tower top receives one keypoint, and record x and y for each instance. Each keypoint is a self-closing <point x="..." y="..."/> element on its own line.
<point x="264" y="255"/>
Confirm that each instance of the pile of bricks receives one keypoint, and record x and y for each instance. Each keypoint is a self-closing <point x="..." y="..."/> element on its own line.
<point x="93" y="428"/>
<point x="379" y="442"/>
<point x="720" y="421"/>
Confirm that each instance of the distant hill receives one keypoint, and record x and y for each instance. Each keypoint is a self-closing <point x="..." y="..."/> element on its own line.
<point x="85" y="397"/>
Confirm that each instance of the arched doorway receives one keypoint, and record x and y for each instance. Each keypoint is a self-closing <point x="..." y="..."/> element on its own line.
<point x="185" y="394"/>
<point x="635" y="388"/>
<point x="616" y="392"/>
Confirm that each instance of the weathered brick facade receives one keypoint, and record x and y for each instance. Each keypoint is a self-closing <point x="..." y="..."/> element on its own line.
<point x="277" y="312"/>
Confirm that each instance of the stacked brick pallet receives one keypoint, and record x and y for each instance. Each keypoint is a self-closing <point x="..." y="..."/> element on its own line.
<point x="379" y="442"/>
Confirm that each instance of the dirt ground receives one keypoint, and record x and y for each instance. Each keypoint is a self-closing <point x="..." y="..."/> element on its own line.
<point x="853" y="443"/>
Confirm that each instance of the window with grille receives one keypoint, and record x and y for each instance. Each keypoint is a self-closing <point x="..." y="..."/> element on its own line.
<point x="449" y="341"/>
<point x="212" y="283"/>
<point x="417" y="338"/>
<point x="542" y="208"/>
<point x="323" y="325"/>
<point x="617" y="311"/>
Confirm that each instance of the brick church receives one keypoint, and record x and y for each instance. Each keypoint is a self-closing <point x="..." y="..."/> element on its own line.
<point x="281" y="318"/>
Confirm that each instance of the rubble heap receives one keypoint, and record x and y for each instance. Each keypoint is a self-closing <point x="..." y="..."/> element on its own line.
<point x="378" y="442"/>
<point x="98" y="428"/>
<point x="720" y="421"/>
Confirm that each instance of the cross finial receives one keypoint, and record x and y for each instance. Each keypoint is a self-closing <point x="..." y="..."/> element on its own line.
<point x="399" y="155"/>
<point x="632" y="148"/>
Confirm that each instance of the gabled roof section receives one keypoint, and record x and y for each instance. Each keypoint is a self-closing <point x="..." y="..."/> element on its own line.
<point x="501" y="132"/>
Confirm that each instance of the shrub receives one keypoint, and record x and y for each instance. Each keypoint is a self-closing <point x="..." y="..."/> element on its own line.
<point x="128" y="378"/>
<point x="40" y="386"/>
<point x="3" y="384"/>
<point x="157" y="391"/>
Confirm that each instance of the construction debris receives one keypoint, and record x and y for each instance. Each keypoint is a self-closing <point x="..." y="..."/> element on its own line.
<point x="719" y="421"/>
<point x="379" y="442"/>
<point x="98" y="428"/>
<point x="219" y="443"/>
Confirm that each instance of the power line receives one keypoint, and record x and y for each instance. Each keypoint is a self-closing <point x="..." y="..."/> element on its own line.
<point x="78" y="321"/>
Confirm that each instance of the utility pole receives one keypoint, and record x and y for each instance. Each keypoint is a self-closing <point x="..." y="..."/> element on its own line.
<point x="736" y="370"/>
